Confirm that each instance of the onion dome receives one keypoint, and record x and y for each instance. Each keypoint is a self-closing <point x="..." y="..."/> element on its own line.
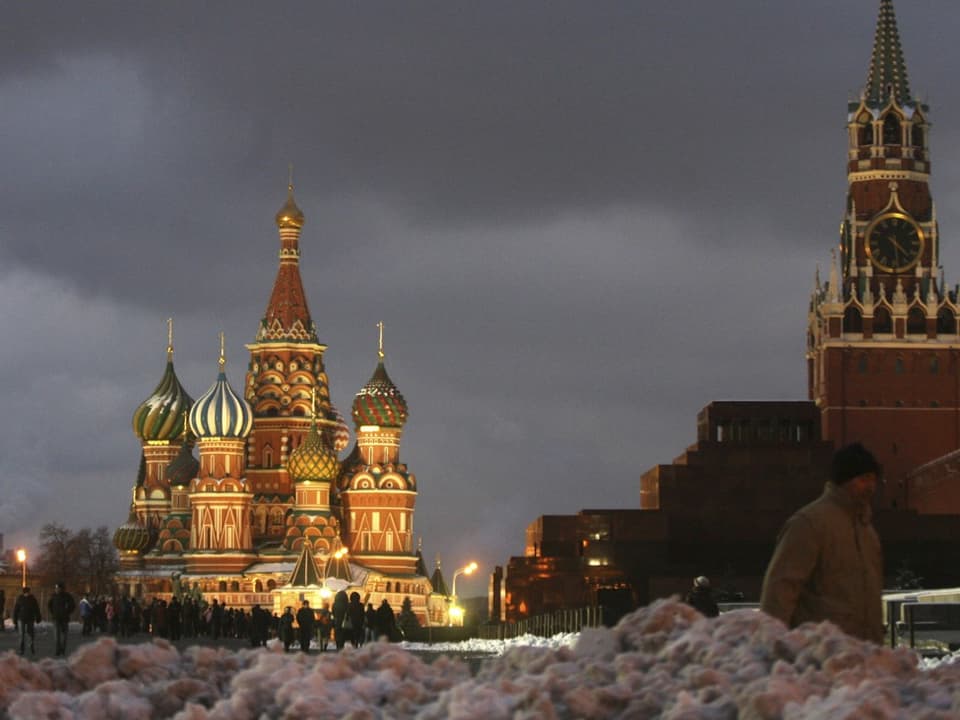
<point x="290" y="216"/>
<point x="379" y="402"/>
<point x="313" y="459"/>
<point x="183" y="468"/>
<point x="132" y="536"/>
<point x="220" y="412"/>
<point x="160" y="416"/>
<point x="338" y="436"/>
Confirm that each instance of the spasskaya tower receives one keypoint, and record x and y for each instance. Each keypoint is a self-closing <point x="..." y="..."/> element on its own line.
<point x="882" y="344"/>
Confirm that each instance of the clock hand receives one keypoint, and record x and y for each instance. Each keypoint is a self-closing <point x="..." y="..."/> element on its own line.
<point x="897" y="245"/>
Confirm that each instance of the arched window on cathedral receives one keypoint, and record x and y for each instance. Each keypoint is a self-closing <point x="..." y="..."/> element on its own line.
<point x="898" y="366"/>
<point x="946" y="322"/>
<point x="852" y="320"/>
<point x="258" y="586"/>
<point x="934" y="365"/>
<point x="862" y="364"/>
<point x="891" y="129"/>
<point x="882" y="322"/>
<point x="267" y="456"/>
<point x="865" y="134"/>
<point x="916" y="321"/>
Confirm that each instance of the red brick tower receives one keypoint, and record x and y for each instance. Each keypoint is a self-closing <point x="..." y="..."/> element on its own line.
<point x="286" y="364"/>
<point x="377" y="491"/>
<point x="882" y="349"/>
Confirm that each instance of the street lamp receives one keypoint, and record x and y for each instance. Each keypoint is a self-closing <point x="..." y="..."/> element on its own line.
<point x="22" y="559"/>
<point x="465" y="570"/>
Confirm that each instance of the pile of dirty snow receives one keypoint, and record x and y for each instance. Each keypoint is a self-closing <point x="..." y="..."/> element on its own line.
<point x="661" y="661"/>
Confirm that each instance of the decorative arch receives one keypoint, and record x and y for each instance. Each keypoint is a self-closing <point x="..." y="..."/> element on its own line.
<point x="916" y="321"/>
<point x="852" y="319"/>
<point x="946" y="322"/>
<point x="882" y="320"/>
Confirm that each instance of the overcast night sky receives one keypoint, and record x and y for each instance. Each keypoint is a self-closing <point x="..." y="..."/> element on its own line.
<point x="579" y="222"/>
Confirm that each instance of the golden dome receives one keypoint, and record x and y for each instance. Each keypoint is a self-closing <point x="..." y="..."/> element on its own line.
<point x="290" y="216"/>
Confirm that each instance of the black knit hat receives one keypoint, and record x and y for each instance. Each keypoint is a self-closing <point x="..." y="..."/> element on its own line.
<point x="851" y="461"/>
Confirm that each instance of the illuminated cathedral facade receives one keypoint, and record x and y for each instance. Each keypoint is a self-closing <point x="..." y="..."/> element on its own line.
<point x="267" y="492"/>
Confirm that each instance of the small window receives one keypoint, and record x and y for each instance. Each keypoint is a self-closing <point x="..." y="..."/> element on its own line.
<point x="891" y="129"/>
<point x="898" y="368"/>
<point x="916" y="136"/>
<point x="934" y="365"/>
<point x="862" y="364"/>
<point x="865" y="135"/>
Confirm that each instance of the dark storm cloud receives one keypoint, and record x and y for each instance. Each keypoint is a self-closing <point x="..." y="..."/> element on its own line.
<point x="581" y="222"/>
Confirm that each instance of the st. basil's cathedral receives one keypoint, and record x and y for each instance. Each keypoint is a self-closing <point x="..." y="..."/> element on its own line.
<point x="269" y="505"/>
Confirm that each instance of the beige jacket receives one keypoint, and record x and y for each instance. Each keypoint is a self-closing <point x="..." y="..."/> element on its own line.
<point x="828" y="565"/>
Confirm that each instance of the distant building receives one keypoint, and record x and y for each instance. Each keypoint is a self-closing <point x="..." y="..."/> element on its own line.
<point x="269" y="480"/>
<point x="715" y="511"/>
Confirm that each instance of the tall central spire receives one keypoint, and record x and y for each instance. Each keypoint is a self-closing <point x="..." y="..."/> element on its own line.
<point x="888" y="72"/>
<point x="287" y="318"/>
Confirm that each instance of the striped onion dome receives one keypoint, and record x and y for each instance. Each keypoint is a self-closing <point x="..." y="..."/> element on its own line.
<point x="160" y="416"/>
<point x="132" y="536"/>
<point x="220" y="412"/>
<point x="379" y="402"/>
<point x="183" y="468"/>
<point x="338" y="436"/>
<point x="313" y="460"/>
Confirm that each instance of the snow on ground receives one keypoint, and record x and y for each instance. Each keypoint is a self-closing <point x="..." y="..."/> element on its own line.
<point x="664" y="660"/>
<point x="493" y="647"/>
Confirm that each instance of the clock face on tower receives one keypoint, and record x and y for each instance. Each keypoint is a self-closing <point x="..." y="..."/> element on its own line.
<point x="894" y="242"/>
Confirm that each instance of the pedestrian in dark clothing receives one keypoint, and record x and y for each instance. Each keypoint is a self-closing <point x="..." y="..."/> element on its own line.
<point x="305" y="619"/>
<point x="371" y="627"/>
<point x="701" y="597"/>
<point x="259" y="626"/>
<point x="26" y="612"/>
<point x="340" y="604"/>
<point x="61" y="606"/>
<point x="387" y="622"/>
<point x="828" y="563"/>
<point x="216" y="619"/>
<point x="285" y="628"/>
<point x="175" y="619"/>
<point x="324" y="625"/>
<point x="357" y="618"/>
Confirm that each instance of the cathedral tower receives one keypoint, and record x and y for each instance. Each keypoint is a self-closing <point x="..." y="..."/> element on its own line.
<point x="220" y="495"/>
<point x="159" y="424"/>
<point x="286" y="365"/>
<point x="377" y="491"/>
<point x="882" y="348"/>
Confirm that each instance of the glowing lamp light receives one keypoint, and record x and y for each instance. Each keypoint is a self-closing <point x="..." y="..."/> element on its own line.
<point x="325" y="593"/>
<point x="456" y="614"/>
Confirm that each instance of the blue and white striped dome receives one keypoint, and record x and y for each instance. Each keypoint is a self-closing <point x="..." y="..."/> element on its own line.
<point x="220" y="412"/>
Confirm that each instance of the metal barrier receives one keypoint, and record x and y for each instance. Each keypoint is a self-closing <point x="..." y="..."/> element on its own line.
<point x="570" y="620"/>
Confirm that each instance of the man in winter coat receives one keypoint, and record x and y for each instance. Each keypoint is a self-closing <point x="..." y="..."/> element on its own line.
<point x="26" y="612"/>
<point x="828" y="564"/>
<point x="61" y="606"/>
<point x="340" y="604"/>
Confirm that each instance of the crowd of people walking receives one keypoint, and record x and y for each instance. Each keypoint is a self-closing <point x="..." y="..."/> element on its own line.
<point x="347" y="621"/>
